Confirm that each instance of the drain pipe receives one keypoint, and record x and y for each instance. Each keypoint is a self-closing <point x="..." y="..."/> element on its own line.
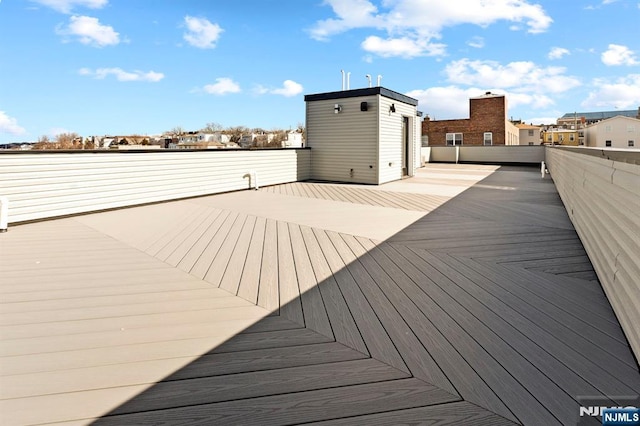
<point x="253" y="176"/>
<point x="4" y="213"/>
<point x="543" y="169"/>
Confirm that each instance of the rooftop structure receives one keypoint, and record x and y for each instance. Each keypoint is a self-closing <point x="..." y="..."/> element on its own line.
<point x="462" y="294"/>
<point x="586" y="118"/>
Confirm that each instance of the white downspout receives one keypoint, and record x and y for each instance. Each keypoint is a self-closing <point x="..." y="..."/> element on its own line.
<point x="253" y="176"/>
<point x="4" y="213"/>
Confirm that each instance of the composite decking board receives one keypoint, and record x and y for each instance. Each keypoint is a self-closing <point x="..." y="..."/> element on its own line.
<point x="218" y="268"/>
<point x="116" y="310"/>
<point x="378" y="343"/>
<point x="230" y="278"/>
<point x="290" y="380"/>
<point x="462" y="374"/>
<point x="285" y="356"/>
<point x="250" y="279"/>
<point x="217" y="330"/>
<point x="343" y="325"/>
<point x="443" y="312"/>
<point x="568" y="368"/>
<point x="272" y="323"/>
<point x="185" y="238"/>
<point x="454" y="413"/>
<point x="175" y="231"/>
<point x="289" y="291"/>
<point x="179" y="253"/>
<point x="98" y="301"/>
<point x="271" y="339"/>
<point x="386" y="298"/>
<point x="144" y="321"/>
<point x="205" y="364"/>
<point x="188" y="261"/>
<point x="324" y="404"/>
<point x="210" y="252"/>
<point x="595" y="319"/>
<point x="268" y="289"/>
<point x="313" y="308"/>
<point x="583" y="275"/>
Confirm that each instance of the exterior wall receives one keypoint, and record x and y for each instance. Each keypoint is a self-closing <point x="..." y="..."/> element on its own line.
<point x="525" y="139"/>
<point x="501" y="154"/>
<point x="619" y="130"/>
<point x="512" y="133"/>
<point x="487" y="114"/>
<point x="391" y="139"/>
<point x="603" y="201"/>
<point x="42" y="185"/>
<point x="344" y="145"/>
<point x="561" y="137"/>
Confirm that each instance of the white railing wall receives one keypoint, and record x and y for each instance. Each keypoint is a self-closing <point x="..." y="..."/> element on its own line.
<point x="601" y="192"/>
<point x="494" y="154"/>
<point x="44" y="185"/>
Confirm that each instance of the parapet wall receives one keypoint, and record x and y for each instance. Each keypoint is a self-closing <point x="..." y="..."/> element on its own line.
<point x="41" y="185"/>
<point x="601" y="192"/>
<point x="494" y="154"/>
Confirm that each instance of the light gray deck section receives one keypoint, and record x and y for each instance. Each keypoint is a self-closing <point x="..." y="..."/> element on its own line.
<point x="481" y="307"/>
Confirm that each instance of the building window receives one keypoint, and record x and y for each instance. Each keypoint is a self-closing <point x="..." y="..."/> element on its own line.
<point x="561" y="138"/>
<point x="454" y="139"/>
<point x="530" y="132"/>
<point x="549" y="138"/>
<point x="607" y="128"/>
<point x="607" y="143"/>
<point x="530" y="143"/>
<point x="572" y="137"/>
<point x="631" y="128"/>
<point x="488" y="138"/>
<point x="631" y="143"/>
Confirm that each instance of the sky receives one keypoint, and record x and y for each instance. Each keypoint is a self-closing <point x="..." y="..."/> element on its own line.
<point x="123" y="67"/>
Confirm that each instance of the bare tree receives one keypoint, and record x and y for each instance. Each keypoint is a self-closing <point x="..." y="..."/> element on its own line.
<point x="69" y="140"/>
<point x="212" y="127"/>
<point x="236" y="132"/>
<point x="176" y="131"/>
<point x="43" y="143"/>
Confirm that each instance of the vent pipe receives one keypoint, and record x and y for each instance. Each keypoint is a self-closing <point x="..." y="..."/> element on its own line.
<point x="4" y="213"/>
<point x="379" y="79"/>
<point x="348" y="84"/>
<point x="342" y="71"/>
<point x="368" y="76"/>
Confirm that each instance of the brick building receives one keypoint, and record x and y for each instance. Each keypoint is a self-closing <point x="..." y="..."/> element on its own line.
<point x="487" y="125"/>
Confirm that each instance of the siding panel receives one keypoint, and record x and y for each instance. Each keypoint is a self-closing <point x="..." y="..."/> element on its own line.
<point x="42" y="185"/>
<point x="602" y="199"/>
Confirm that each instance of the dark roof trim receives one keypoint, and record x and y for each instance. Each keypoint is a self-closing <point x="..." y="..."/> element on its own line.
<point x="600" y="114"/>
<point x="369" y="91"/>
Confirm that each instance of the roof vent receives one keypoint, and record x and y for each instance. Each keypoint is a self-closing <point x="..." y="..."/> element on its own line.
<point x="487" y="93"/>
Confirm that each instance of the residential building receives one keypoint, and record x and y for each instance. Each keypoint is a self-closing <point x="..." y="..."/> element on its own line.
<point x="487" y="125"/>
<point x="294" y="140"/>
<point x="583" y="119"/>
<point x="528" y="134"/>
<point x="560" y="136"/>
<point x="615" y="132"/>
<point x="369" y="135"/>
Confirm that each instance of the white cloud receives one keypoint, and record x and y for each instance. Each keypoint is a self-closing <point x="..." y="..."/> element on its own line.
<point x="10" y="125"/>
<point x="89" y="31"/>
<point x="201" y="33"/>
<point x="523" y="75"/>
<point x="411" y="25"/>
<point x="222" y="86"/>
<point x="476" y="41"/>
<point x="558" y="52"/>
<point x="121" y="75"/>
<point x="622" y="93"/>
<point x="66" y="6"/>
<point x="289" y="88"/>
<point x="452" y="102"/>
<point x="619" y="55"/>
<point x="405" y="47"/>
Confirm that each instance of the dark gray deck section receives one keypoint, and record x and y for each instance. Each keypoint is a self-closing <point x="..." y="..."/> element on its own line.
<point x="484" y="312"/>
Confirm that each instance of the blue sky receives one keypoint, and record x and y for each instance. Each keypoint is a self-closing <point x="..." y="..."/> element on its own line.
<point x="99" y="67"/>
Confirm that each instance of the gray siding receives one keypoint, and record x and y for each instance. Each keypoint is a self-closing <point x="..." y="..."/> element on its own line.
<point x="391" y="140"/>
<point x="602" y="198"/>
<point x="47" y="185"/>
<point x="345" y="141"/>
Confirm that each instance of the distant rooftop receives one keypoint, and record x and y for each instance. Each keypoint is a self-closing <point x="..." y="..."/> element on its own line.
<point x="600" y="115"/>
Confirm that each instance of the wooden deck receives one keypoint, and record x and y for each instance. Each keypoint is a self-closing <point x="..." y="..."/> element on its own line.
<point x="460" y="296"/>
